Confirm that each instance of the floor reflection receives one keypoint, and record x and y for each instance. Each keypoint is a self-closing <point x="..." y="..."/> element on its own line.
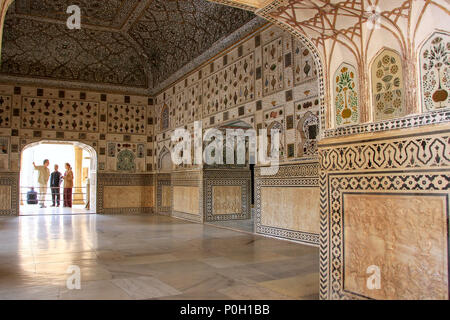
<point x="148" y="257"/>
<point x="35" y="210"/>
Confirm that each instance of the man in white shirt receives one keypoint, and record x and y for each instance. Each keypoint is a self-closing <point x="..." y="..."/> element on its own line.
<point x="44" y="175"/>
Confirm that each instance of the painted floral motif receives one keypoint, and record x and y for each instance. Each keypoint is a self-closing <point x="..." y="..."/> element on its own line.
<point x="304" y="68"/>
<point x="5" y="111"/>
<point x="346" y="99"/>
<point x="125" y="161"/>
<point x="229" y="87"/>
<point x="387" y="82"/>
<point x="165" y="118"/>
<point x="273" y="67"/>
<point x="435" y="64"/>
<point x="125" y="118"/>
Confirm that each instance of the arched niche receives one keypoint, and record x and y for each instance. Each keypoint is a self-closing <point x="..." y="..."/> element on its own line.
<point x="434" y="64"/>
<point x="346" y="96"/>
<point x="165" y="160"/>
<point x="388" y="96"/>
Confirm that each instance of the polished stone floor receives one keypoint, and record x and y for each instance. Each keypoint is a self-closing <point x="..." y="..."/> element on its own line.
<point x="240" y="225"/>
<point x="35" y="210"/>
<point x="148" y="257"/>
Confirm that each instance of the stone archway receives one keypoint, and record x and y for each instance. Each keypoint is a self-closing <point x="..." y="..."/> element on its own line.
<point x="86" y="195"/>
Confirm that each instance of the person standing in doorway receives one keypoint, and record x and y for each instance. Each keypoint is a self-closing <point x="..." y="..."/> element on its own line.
<point x="68" y="185"/>
<point x="55" y="182"/>
<point x="44" y="174"/>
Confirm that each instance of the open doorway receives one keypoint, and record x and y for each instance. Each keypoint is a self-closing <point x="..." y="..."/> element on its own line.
<point x="51" y="200"/>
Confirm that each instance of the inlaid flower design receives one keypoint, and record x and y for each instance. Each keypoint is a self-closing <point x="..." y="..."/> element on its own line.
<point x="387" y="86"/>
<point x="435" y="63"/>
<point x="346" y="96"/>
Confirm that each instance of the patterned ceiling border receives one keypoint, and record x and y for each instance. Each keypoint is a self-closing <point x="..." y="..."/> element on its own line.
<point x="73" y="85"/>
<point x="245" y="31"/>
<point x="235" y="5"/>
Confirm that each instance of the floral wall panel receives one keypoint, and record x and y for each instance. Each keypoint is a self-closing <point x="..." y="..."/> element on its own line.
<point x="346" y="95"/>
<point x="180" y="106"/>
<point x="124" y="118"/>
<point x="304" y="66"/>
<point x="387" y="86"/>
<point x="229" y="87"/>
<point x="273" y="67"/>
<point x="165" y="117"/>
<point x="55" y="114"/>
<point x="435" y="72"/>
<point x="5" y="111"/>
<point x="232" y="87"/>
<point x="194" y="98"/>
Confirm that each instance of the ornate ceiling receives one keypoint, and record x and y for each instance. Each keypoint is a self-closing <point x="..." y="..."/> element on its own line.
<point x="140" y="44"/>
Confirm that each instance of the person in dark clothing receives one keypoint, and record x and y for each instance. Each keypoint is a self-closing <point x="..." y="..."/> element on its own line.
<point x="55" y="182"/>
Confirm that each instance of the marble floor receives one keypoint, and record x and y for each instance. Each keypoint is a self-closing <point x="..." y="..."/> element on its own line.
<point x="148" y="257"/>
<point x="239" y="225"/>
<point x="35" y="210"/>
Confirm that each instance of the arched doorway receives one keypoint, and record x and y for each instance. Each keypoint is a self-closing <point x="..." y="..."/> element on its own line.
<point x="83" y="160"/>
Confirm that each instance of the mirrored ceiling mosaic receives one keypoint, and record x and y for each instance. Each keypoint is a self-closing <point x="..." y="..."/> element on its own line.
<point x="122" y="43"/>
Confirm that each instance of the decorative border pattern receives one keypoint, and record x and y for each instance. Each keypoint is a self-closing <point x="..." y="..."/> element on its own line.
<point x="111" y="179"/>
<point x="405" y="152"/>
<point x="11" y="179"/>
<point x="233" y="178"/>
<point x="8" y="138"/>
<point x="433" y="117"/>
<point x="299" y="175"/>
<point x="234" y="4"/>
<point x="307" y="169"/>
<point x="162" y="180"/>
<point x="412" y="161"/>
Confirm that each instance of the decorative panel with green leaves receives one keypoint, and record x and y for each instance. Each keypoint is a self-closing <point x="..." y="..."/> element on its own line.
<point x="346" y="95"/>
<point x="387" y="86"/>
<point x="435" y="72"/>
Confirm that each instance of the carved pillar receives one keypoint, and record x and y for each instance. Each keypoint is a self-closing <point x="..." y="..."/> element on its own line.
<point x="78" y="196"/>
